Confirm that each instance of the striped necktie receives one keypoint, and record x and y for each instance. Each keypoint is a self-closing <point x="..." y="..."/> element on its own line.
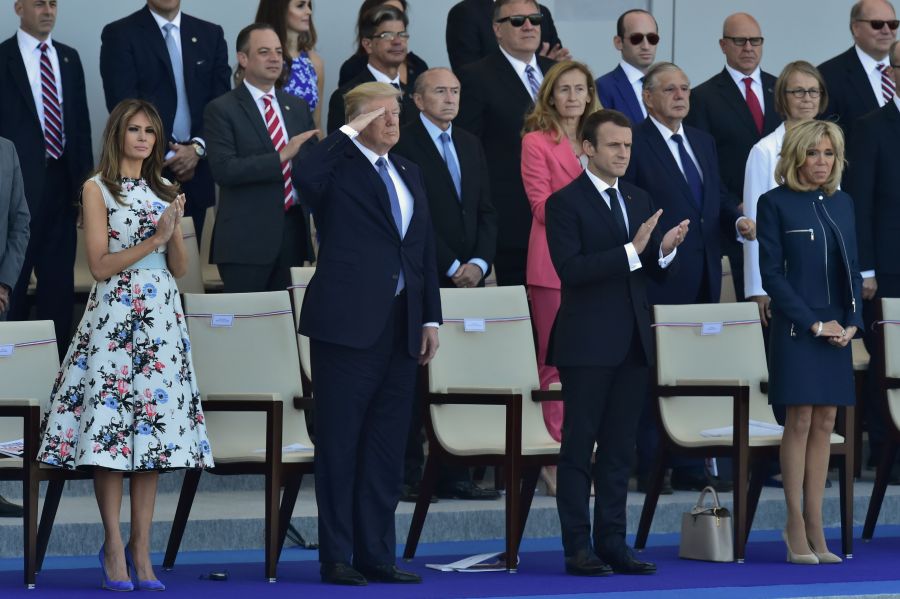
<point x="887" y="84"/>
<point x="53" y="117"/>
<point x="278" y="135"/>
<point x="532" y="81"/>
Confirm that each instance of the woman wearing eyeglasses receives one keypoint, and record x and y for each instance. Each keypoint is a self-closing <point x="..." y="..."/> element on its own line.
<point x="800" y="95"/>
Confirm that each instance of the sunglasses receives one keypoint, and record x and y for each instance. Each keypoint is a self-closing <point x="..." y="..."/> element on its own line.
<point x="519" y="20"/>
<point x="742" y="41"/>
<point x="637" y="38"/>
<point x="878" y="24"/>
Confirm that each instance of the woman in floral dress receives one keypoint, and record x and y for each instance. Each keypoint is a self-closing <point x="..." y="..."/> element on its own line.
<point x="126" y="397"/>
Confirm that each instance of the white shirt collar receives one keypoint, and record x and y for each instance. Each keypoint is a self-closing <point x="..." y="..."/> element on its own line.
<point x="897" y="101"/>
<point x="665" y="131"/>
<point x="631" y="72"/>
<point x="258" y="93"/>
<point x="599" y="183"/>
<point x="518" y="65"/>
<point x="162" y="22"/>
<point x="28" y="43"/>
<point x="433" y="130"/>
<point x="739" y="77"/>
<point x="369" y="154"/>
<point x="869" y="64"/>
<point x="381" y="77"/>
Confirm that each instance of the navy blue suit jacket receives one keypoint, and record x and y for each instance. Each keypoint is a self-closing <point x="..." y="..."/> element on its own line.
<point x="19" y="122"/>
<point x="361" y="253"/>
<point x="850" y="94"/>
<point x="653" y="168"/>
<point x="616" y="93"/>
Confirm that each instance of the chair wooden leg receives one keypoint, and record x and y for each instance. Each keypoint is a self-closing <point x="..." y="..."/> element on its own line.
<point x="882" y="474"/>
<point x="530" y="477"/>
<point x="860" y="378"/>
<point x="740" y="503"/>
<point x="513" y="479"/>
<point x="30" y="492"/>
<point x="426" y="491"/>
<point x="288" y="501"/>
<point x="182" y="512"/>
<point x="757" y="478"/>
<point x="273" y="492"/>
<point x="650" y="500"/>
<point x="48" y="516"/>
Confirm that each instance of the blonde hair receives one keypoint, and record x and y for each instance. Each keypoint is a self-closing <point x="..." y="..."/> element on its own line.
<point x="362" y="94"/>
<point x="797" y="141"/>
<point x="544" y="116"/>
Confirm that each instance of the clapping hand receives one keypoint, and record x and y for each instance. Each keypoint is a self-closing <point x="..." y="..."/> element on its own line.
<point x="674" y="236"/>
<point x="747" y="228"/>
<point x="643" y="233"/>
<point x="171" y="216"/>
<point x="467" y="275"/>
<point x="557" y="52"/>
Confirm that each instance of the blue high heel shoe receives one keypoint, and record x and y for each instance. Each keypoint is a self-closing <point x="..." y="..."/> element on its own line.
<point x="142" y="585"/>
<point x="112" y="585"/>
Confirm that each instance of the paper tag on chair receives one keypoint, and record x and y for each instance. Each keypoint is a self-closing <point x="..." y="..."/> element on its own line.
<point x="7" y="350"/>
<point x="473" y="325"/>
<point x="711" y="328"/>
<point x="222" y="320"/>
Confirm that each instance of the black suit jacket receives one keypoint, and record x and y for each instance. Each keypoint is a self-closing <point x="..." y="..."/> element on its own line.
<point x="850" y="94"/>
<point x="493" y="105"/>
<point x="19" y="122"/>
<point x="718" y="108"/>
<point x="243" y="160"/>
<point x="356" y="64"/>
<point x="873" y="181"/>
<point x="361" y="254"/>
<point x="470" y="31"/>
<point x="654" y="169"/>
<point x="408" y="110"/>
<point x="463" y="229"/>
<point x="603" y="301"/>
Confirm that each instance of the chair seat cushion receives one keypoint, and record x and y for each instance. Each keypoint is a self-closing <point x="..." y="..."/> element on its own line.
<point x="549" y="448"/>
<point x="698" y="440"/>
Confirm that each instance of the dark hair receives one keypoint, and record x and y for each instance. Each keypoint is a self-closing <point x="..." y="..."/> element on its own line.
<point x="595" y="119"/>
<point x="498" y="4"/>
<point x="366" y="7"/>
<point x="243" y="38"/>
<point x="274" y="13"/>
<point x="620" y="24"/>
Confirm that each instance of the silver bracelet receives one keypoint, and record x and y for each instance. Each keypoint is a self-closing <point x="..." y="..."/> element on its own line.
<point x="819" y="329"/>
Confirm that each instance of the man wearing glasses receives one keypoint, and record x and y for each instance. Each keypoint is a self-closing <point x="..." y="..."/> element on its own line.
<point x="637" y="36"/>
<point x="859" y="80"/>
<point x="386" y="40"/>
<point x="497" y="92"/>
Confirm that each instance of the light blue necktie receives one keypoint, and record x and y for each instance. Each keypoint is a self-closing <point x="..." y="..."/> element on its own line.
<point x="181" y="128"/>
<point x="381" y="163"/>
<point x="532" y="81"/>
<point x="452" y="166"/>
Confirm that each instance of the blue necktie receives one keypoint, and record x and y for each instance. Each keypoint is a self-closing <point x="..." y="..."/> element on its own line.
<point x="381" y="163"/>
<point x="532" y="81"/>
<point x="181" y="128"/>
<point x="691" y="174"/>
<point x="452" y="166"/>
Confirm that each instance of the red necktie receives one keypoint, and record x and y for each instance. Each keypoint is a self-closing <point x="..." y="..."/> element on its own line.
<point x="887" y="84"/>
<point x="753" y="104"/>
<point x="277" y="133"/>
<point x="53" y="119"/>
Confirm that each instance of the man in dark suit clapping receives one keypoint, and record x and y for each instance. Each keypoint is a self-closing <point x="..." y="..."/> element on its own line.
<point x="602" y="240"/>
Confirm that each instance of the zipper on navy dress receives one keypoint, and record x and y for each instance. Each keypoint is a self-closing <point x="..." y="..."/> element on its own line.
<point x="846" y="259"/>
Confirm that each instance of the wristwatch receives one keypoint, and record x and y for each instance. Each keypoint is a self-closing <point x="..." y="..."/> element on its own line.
<point x="198" y="147"/>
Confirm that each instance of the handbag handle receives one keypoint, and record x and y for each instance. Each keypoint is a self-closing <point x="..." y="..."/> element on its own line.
<point x="700" y="506"/>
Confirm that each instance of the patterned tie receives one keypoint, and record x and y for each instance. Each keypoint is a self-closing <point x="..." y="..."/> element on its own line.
<point x="691" y="174"/>
<point x="181" y="128"/>
<point x="532" y="81"/>
<point x="753" y="104"/>
<point x="276" y="132"/>
<point x="53" y="117"/>
<point x="381" y="163"/>
<point x="887" y="84"/>
<point x="452" y="166"/>
<point x="616" y="209"/>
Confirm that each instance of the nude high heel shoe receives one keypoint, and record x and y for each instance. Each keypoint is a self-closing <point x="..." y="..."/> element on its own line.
<point x="825" y="557"/>
<point x="808" y="559"/>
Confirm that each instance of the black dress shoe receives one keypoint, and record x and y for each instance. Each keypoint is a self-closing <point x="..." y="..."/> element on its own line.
<point x="410" y="494"/>
<point x="466" y="490"/>
<point x="391" y="574"/>
<point x="697" y="482"/>
<point x="643" y="484"/>
<point x="340" y="573"/>
<point x="624" y="562"/>
<point x="585" y="563"/>
<point x="9" y="509"/>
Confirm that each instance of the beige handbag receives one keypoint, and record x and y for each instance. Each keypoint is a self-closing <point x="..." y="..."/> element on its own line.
<point x="706" y="531"/>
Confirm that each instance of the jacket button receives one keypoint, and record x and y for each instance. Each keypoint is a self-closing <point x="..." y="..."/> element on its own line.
<point x="395" y="277"/>
<point x="701" y="220"/>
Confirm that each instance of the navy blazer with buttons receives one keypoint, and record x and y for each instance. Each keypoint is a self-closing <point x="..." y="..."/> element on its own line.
<point x="792" y="253"/>
<point x="361" y="253"/>
<point x="615" y="92"/>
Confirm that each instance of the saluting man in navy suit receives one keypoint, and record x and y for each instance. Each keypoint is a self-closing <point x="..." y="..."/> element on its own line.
<point x="637" y="37"/>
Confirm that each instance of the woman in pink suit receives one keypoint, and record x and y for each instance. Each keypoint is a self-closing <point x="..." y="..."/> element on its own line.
<point x="551" y="159"/>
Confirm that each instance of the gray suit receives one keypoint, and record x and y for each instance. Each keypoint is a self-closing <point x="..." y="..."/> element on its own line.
<point x="14" y="216"/>
<point x="255" y="240"/>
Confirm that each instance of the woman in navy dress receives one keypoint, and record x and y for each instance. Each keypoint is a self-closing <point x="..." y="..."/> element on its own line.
<point x="808" y="262"/>
<point x="304" y="75"/>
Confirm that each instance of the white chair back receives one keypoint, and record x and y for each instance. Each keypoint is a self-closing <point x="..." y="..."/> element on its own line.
<point x="300" y="278"/>
<point x="28" y="367"/>
<point x="84" y="280"/>
<point x="257" y="353"/>
<point x="500" y="357"/>
<point x="192" y="281"/>
<point x="890" y="310"/>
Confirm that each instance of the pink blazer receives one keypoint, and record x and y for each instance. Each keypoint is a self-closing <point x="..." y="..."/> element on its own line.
<point x="547" y="166"/>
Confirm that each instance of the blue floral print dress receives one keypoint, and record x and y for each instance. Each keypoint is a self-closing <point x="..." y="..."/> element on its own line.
<point x="126" y="396"/>
<point x="303" y="81"/>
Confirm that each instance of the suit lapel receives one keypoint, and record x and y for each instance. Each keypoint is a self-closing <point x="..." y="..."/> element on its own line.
<point x="859" y="81"/>
<point x="154" y="38"/>
<point x="735" y="101"/>
<point x="706" y="170"/>
<point x="68" y="85"/>
<point x="375" y="183"/>
<point x="248" y="105"/>
<point x="598" y="203"/>
<point x="189" y="56"/>
<point x="567" y="159"/>
<point x="771" y="118"/>
<point x="16" y="68"/>
<point x="430" y="152"/>
<point x="510" y="79"/>
<point x="659" y="147"/>
<point x="626" y="91"/>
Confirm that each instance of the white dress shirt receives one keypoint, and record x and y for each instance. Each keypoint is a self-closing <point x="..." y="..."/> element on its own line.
<point x="29" y="48"/>
<point x="634" y="260"/>
<point x="260" y="105"/>
<point x="382" y="78"/>
<point x="870" y="66"/>
<point x="636" y="79"/>
<point x="176" y="32"/>
<point x="520" y="66"/>
<point x="756" y="86"/>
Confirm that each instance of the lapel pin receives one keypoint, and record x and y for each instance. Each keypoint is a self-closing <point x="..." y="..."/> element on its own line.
<point x="402" y="168"/>
<point x="193" y="39"/>
<point x="287" y="107"/>
<point x="65" y="59"/>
